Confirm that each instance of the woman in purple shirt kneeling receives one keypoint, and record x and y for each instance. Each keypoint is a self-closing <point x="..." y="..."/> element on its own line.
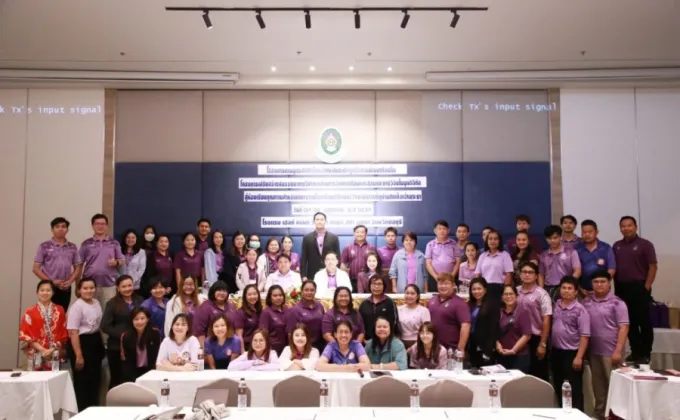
<point x="427" y="353"/>
<point x="259" y="357"/>
<point x="223" y="345"/>
<point x="514" y="333"/>
<point x="344" y="354"/>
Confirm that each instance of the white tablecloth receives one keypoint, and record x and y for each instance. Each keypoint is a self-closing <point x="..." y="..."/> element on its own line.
<point x="666" y="349"/>
<point x="37" y="396"/>
<point x="344" y="387"/>
<point x="644" y="399"/>
<point x="130" y="413"/>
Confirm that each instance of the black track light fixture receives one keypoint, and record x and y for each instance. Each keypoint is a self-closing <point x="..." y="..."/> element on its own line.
<point x="258" y="17"/>
<point x="456" y="18"/>
<point x="308" y="20"/>
<point x="206" y="19"/>
<point x="357" y="19"/>
<point x="405" y="19"/>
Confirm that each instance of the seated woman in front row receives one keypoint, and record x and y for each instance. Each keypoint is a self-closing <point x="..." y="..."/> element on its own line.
<point x="223" y="345"/>
<point x="179" y="350"/>
<point x="299" y="353"/>
<point x="344" y="354"/>
<point x="259" y="357"/>
<point x="384" y="350"/>
<point x="139" y="346"/>
<point x="427" y="353"/>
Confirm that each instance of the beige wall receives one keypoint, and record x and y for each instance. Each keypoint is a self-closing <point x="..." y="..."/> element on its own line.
<point x="51" y="165"/>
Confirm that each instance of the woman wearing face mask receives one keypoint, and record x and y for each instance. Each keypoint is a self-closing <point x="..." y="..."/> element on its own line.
<point x="378" y="305"/>
<point x="217" y="303"/>
<point x="514" y="333"/>
<point x="135" y="260"/>
<point x="247" y="319"/>
<point x="149" y="243"/>
<point x="260" y="357"/>
<point x="483" y="324"/>
<point x="412" y="315"/>
<point x="408" y="266"/>
<point x="328" y="280"/>
<point x="287" y="248"/>
<point x="299" y="353"/>
<point x="186" y="301"/>
<point x="115" y="321"/>
<point x="467" y="269"/>
<point x="85" y="350"/>
<point x="214" y="257"/>
<point x="223" y="345"/>
<point x="159" y="264"/>
<point x="248" y="273"/>
<point x="385" y="351"/>
<point x="522" y="253"/>
<point x="495" y="265"/>
<point x="342" y="310"/>
<point x="343" y="354"/>
<point x="254" y="242"/>
<point x="267" y="263"/>
<point x="139" y="346"/>
<point x="427" y="353"/>
<point x="273" y="319"/>
<point x="371" y="267"/>
<point x="310" y="312"/>
<point x="189" y="260"/>
<point x="283" y="276"/>
<point x="233" y="257"/>
<point x="43" y="327"/>
<point x="156" y="305"/>
<point x="179" y="350"/>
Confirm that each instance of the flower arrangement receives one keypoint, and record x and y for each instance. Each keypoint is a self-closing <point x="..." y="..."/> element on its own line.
<point x="293" y="294"/>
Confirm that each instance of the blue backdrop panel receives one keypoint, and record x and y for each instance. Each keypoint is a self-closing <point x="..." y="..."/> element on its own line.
<point x="495" y="192"/>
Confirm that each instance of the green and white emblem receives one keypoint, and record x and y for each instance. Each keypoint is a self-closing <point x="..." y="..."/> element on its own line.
<point x="330" y="146"/>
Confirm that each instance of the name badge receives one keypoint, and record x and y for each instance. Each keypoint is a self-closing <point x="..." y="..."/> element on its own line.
<point x="600" y="262"/>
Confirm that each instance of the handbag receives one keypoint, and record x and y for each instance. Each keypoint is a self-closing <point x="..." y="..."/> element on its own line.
<point x="659" y="314"/>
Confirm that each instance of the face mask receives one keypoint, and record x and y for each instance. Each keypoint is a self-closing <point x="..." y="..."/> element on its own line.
<point x="254" y="245"/>
<point x="149" y="237"/>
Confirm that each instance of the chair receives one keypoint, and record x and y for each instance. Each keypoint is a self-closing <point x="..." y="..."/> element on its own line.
<point x="446" y="393"/>
<point x="527" y="392"/>
<point x="231" y="386"/>
<point x="385" y="392"/>
<point x="296" y="391"/>
<point x="130" y="394"/>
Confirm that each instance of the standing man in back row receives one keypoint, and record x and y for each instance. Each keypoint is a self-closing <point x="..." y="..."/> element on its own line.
<point x="315" y="245"/>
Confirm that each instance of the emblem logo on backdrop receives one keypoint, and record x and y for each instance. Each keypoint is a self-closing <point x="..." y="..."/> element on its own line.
<point x="329" y="148"/>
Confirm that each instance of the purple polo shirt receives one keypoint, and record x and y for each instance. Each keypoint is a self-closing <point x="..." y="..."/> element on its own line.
<point x="274" y="322"/>
<point x="494" y="266"/>
<point x="386" y="255"/>
<point x="312" y="317"/>
<point x="571" y="243"/>
<point x="442" y="255"/>
<point x="537" y="304"/>
<point x="606" y="316"/>
<point x="95" y="253"/>
<point x="204" y="315"/>
<point x="569" y="325"/>
<point x="294" y="261"/>
<point x="201" y="244"/>
<point x="334" y="316"/>
<point x="190" y="264"/>
<point x="354" y="257"/>
<point x="465" y="272"/>
<point x="332" y="280"/>
<point x="273" y="263"/>
<point x="633" y="258"/>
<point x="164" y="265"/>
<point x="248" y="323"/>
<point x="334" y="356"/>
<point x="520" y="324"/>
<point x="556" y="264"/>
<point x="252" y="273"/>
<point x="362" y="281"/>
<point x="57" y="261"/>
<point x="448" y="315"/>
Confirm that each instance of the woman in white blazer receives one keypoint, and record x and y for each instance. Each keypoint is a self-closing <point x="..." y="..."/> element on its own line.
<point x="248" y="272"/>
<point x="186" y="301"/>
<point x="299" y="353"/>
<point x="268" y="261"/>
<point x="331" y="278"/>
<point x="135" y="258"/>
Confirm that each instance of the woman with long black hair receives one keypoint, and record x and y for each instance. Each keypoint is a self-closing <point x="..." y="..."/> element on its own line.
<point x="343" y="309"/>
<point x="139" y="346"/>
<point x="484" y="324"/>
<point x="233" y="257"/>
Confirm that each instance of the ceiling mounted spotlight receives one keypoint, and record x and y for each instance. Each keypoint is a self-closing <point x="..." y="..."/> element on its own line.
<point x="404" y="21"/>
<point x="259" y="19"/>
<point x="308" y="20"/>
<point x="206" y="19"/>
<point x="357" y="19"/>
<point x="456" y="18"/>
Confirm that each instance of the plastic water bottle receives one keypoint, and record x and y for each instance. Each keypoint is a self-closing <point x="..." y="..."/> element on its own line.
<point x="206" y="288"/>
<point x="37" y="361"/>
<point x="201" y="360"/>
<point x="324" y="399"/>
<point x="415" y="395"/>
<point x="242" y="394"/>
<point x="449" y="360"/>
<point x="459" y="361"/>
<point x="494" y="398"/>
<point x="56" y="365"/>
<point x="566" y="396"/>
<point x="164" y="401"/>
<point x="30" y="364"/>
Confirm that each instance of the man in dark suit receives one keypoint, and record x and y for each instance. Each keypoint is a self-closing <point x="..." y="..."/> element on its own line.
<point x="315" y="245"/>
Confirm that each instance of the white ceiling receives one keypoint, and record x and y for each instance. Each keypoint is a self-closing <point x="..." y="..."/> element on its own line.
<point x="512" y="35"/>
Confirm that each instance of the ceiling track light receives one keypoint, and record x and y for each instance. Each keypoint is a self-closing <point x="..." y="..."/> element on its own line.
<point x="206" y="19"/>
<point x="456" y="18"/>
<point x="258" y="17"/>
<point x="308" y="20"/>
<point x="357" y="19"/>
<point x="405" y="19"/>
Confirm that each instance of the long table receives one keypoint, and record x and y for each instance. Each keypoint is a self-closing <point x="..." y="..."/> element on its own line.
<point x="344" y="387"/>
<point x="344" y="413"/>
<point x="37" y="395"/>
<point x="638" y="399"/>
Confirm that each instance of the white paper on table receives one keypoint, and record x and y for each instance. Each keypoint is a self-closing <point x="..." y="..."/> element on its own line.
<point x="345" y="414"/>
<point x="407" y="413"/>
